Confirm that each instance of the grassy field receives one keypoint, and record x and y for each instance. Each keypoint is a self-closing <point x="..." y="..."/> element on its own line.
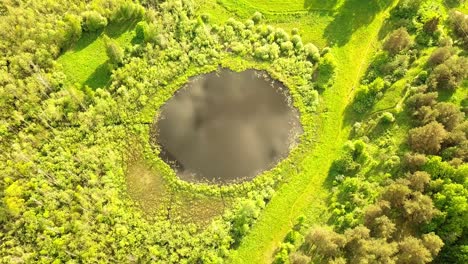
<point x="352" y="30"/>
<point x="350" y="27"/>
<point x="90" y="54"/>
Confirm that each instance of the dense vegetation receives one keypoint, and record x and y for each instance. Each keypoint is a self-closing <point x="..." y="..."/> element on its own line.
<point x="81" y="180"/>
<point x="401" y="200"/>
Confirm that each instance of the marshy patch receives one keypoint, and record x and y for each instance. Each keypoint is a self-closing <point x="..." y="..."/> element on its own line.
<point x="225" y="126"/>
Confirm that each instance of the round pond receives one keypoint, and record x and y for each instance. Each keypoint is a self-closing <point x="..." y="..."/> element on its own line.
<point x="226" y="126"/>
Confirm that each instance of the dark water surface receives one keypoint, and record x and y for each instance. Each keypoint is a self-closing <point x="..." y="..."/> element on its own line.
<point x="225" y="126"/>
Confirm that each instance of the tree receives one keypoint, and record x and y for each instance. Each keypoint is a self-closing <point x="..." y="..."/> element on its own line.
<point x="459" y="23"/>
<point x="114" y="52"/>
<point x="413" y="251"/>
<point x="93" y="21"/>
<point x="427" y="139"/>
<point x="421" y="99"/>
<point x="327" y="243"/>
<point x="433" y="243"/>
<point x="447" y="76"/>
<point x="73" y="30"/>
<point x="398" y="41"/>
<point x="449" y="115"/>
<point x="418" y="209"/>
<point x="414" y="161"/>
<point x="298" y="258"/>
<point x="419" y="180"/>
<point x="440" y="55"/>
<point x="312" y="52"/>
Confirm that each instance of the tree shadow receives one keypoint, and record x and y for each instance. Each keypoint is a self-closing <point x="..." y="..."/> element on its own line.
<point x="113" y="30"/>
<point x="351" y="16"/>
<point x="86" y="39"/>
<point x="100" y="77"/>
<point x="116" y="29"/>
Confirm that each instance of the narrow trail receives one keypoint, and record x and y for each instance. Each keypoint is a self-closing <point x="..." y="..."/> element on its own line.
<point x="364" y="61"/>
<point x="306" y="192"/>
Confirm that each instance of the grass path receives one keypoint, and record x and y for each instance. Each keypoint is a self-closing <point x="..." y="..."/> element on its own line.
<point x="306" y="193"/>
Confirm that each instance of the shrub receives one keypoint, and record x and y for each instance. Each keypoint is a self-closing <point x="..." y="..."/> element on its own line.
<point x="427" y="139"/>
<point x="257" y="17"/>
<point x="93" y="21"/>
<point x="310" y="97"/>
<point x="312" y="52"/>
<point x="325" y="73"/>
<point x="387" y="117"/>
<point x="114" y="52"/>
<point x="368" y="95"/>
<point x="398" y="41"/>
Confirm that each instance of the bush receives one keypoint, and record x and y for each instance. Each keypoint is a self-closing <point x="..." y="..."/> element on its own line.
<point x="387" y="117"/>
<point x="310" y="97"/>
<point x="398" y="41"/>
<point x="325" y="73"/>
<point x="267" y="52"/>
<point x="114" y="52"/>
<point x="93" y="21"/>
<point x="368" y="95"/>
<point x="257" y="17"/>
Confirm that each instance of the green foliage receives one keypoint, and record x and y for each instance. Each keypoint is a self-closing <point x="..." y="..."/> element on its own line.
<point x="244" y="216"/>
<point x="128" y="11"/>
<point x="368" y="95"/>
<point x="93" y="21"/>
<point x="387" y="117"/>
<point x="427" y="139"/>
<point x="113" y="51"/>
<point x="325" y="74"/>
<point x="448" y="76"/>
<point x="398" y="41"/>
<point x="73" y="31"/>
<point x="310" y="97"/>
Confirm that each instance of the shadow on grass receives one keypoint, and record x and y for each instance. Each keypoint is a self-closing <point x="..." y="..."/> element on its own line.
<point x="351" y="16"/>
<point x="115" y="30"/>
<point x="86" y="39"/>
<point x="100" y="77"/>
